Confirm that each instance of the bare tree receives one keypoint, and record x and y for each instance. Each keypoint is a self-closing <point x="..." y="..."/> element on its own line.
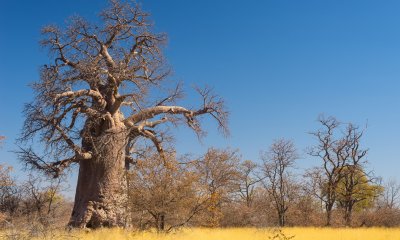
<point x="248" y="178"/>
<point x="10" y="195"/>
<point x="391" y="194"/>
<point x="96" y="98"/>
<point x="278" y="160"/>
<point x="41" y="199"/>
<point x="218" y="171"/>
<point x="333" y="153"/>
<point x="305" y="210"/>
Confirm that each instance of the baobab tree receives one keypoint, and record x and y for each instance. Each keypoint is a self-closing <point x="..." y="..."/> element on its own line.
<point x="96" y="97"/>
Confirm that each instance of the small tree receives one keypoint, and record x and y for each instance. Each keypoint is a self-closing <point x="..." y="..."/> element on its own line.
<point x="41" y="199"/>
<point x="248" y="178"/>
<point x="218" y="171"/>
<point x="277" y="163"/>
<point x="356" y="191"/>
<point x="166" y="190"/>
<point x="334" y="152"/>
<point x="390" y="196"/>
<point x="10" y="195"/>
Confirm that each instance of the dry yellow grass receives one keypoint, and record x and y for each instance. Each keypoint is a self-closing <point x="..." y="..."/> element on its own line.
<point x="249" y="234"/>
<point x="231" y="234"/>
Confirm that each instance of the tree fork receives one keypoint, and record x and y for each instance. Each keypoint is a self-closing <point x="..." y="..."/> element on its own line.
<point x="96" y="70"/>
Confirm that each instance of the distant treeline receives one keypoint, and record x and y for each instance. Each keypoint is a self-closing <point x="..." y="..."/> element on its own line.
<point x="220" y="189"/>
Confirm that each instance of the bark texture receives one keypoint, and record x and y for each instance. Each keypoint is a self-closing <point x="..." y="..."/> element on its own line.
<point x="100" y="189"/>
<point x="95" y="100"/>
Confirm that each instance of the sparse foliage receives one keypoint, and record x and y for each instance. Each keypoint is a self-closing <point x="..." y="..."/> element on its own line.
<point x="277" y="162"/>
<point x="248" y="178"/>
<point x="96" y="98"/>
<point x="390" y="197"/>
<point x="166" y="190"/>
<point x="41" y="199"/>
<point x="10" y="195"/>
<point x="342" y="177"/>
<point x="218" y="171"/>
<point x="334" y="152"/>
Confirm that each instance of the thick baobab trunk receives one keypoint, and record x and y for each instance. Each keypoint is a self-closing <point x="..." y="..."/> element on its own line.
<point x="100" y="188"/>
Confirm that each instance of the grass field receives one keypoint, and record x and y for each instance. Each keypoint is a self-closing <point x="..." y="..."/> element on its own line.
<point x="236" y="234"/>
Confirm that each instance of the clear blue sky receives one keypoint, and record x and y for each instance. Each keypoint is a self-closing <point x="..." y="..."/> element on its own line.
<point x="278" y="64"/>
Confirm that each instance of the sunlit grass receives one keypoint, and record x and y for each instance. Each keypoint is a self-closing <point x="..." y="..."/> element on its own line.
<point x="249" y="233"/>
<point x="235" y="234"/>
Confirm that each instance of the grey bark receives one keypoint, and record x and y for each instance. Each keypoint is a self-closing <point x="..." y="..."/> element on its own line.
<point x="99" y="193"/>
<point x="98" y="73"/>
